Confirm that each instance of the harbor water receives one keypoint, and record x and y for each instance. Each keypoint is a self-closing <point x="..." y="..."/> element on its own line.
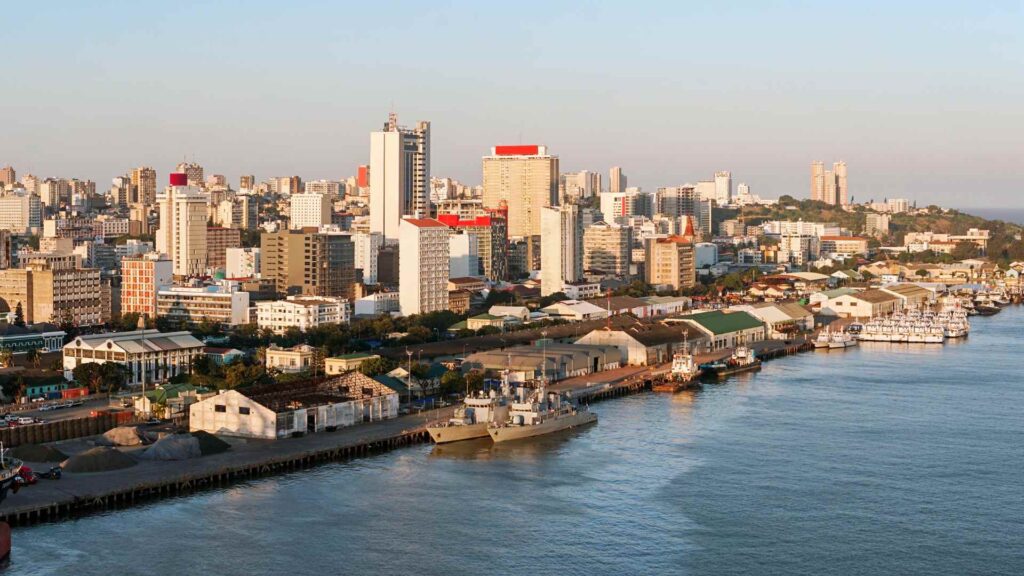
<point x="880" y="459"/>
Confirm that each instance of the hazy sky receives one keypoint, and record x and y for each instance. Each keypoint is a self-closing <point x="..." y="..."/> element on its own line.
<point x="921" y="99"/>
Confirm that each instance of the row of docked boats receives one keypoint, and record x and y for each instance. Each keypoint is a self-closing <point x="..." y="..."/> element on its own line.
<point x="833" y="339"/>
<point x="509" y="414"/>
<point x="915" y="326"/>
<point x="686" y="373"/>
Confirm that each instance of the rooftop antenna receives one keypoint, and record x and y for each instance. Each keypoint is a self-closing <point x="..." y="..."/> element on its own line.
<point x="608" y="318"/>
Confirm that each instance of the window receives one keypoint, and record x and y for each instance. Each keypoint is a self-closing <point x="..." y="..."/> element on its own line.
<point x="220" y="408"/>
<point x="243" y="410"/>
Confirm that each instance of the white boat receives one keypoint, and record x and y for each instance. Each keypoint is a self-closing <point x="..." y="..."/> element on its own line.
<point x="824" y="339"/>
<point x="540" y="412"/>
<point x="841" y="340"/>
<point x="472" y="418"/>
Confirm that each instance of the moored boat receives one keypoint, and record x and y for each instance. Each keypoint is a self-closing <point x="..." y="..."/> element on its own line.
<point x="540" y="412"/>
<point x="742" y="359"/>
<point x="684" y="374"/>
<point x="472" y="418"/>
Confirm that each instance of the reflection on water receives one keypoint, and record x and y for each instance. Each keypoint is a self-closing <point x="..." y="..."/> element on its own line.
<point x="525" y="450"/>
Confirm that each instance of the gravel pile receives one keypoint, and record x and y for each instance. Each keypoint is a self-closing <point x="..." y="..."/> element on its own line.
<point x="120" y="436"/>
<point x="210" y="444"/>
<point x="98" y="459"/>
<point x="173" y="447"/>
<point x="38" y="453"/>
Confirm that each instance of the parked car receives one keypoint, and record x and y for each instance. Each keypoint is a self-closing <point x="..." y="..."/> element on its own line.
<point x="25" y="420"/>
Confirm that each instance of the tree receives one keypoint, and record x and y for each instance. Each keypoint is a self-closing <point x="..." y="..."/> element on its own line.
<point x="19" y="315"/>
<point x="6" y="358"/>
<point x="552" y="298"/>
<point x="34" y="356"/>
<point x="100" y="378"/>
<point x="965" y="250"/>
<point x="475" y="381"/>
<point x="376" y="366"/>
<point x="452" y="382"/>
<point x="921" y="273"/>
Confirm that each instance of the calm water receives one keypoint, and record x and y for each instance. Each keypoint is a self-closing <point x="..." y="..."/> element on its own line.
<point x="878" y="460"/>
<point x="1014" y="215"/>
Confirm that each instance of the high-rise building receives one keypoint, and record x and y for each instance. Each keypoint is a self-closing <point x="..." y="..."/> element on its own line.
<point x="526" y="179"/>
<point x="246" y="182"/>
<point x="831" y="194"/>
<point x="53" y="192"/>
<point x="30" y="183"/>
<point x="49" y="294"/>
<point x="399" y="176"/>
<point x="616" y="180"/>
<point x="676" y="201"/>
<point x="7" y="176"/>
<point x="193" y="173"/>
<point x="876" y="224"/>
<point x="706" y="190"/>
<point x="490" y="226"/>
<point x="182" y="231"/>
<point x="218" y="240"/>
<point x="582" y="184"/>
<point x="331" y="188"/>
<point x="463" y="254"/>
<point x="561" y="250"/>
<point x="309" y="210"/>
<point x="723" y="188"/>
<point x="144" y="186"/>
<point x="607" y="248"/>
<point x="363" y="176"/>
<point x="308" y="262"/>
<point x="141" y="277"/>
<point x="20" y="212"/>
<point x="423" y="274"/>
<point x="367" y="249"/>
<point x="671" y="262"/>
<point x="842" y="193"/>
<point x="818" y="181"/>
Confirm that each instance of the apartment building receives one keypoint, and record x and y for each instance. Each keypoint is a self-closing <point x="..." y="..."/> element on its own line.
<point x="423" y="275"/>
<point x="218" y="241"/>
<point x="525" y="177"/>
<point x="607" y="248"/>
<point x="142" y="277"/>
<point x="20" y="213"/>
<point x="671" y="262"/>
<point x="302" y="312"/>
<point x="221" y="303"/>
<point x="309" y="262"/>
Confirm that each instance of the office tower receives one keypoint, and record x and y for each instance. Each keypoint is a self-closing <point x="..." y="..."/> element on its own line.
<point x="182" y="231"/>
<point x="842" y="196"/>
<point x="706" y="189"/>
<point x="561" y="250"/>
<point x="20" y="212"/>
<point x="141" y="277"/>
<point x="490" y="226"/>
<point x="423" y="274"/>
<point x="703" y="217"/>
<point x="830" y="196"/>
<point x="53" y="192"/>
<point x="399" y="176"/>
<point x="387" y="264"/>
<point x="242" y="263"/>
<point x="676" y="201"/>
<point x="723" y="188"/>
<point x="670" y="262"/>
<point x="367" y="247"/>
<point x="309" y="262"/>
<point x="526" y="179"/>
<point x="246" y="182"/>
<point x="218" y="240"/>
<point x="616" y="180"/>
<point x="144" y="183"/>
<point x="309" y="210"/>
<point x="7" y="176"/>
<point x="818" y="181"/>
<point x="607" y="249"/>
<point x="193" y="173"/>
<point x="742" y="190"/>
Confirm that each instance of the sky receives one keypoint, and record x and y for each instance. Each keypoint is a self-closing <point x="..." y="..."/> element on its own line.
<point x="922" y="100"/>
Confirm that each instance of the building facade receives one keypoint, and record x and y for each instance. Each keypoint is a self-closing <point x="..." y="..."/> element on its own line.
<point x="302" y="312"/>
<point x="526" y="179"/>
<point x="423" y="275"/>
<point x="182" y="232"/>
<point x="141" y="278"/>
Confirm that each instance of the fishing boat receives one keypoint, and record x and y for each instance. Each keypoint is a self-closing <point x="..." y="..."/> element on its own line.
<point x="742" y="359"/>
<point x="841" y="339"/>
<point x="824" y="339"/>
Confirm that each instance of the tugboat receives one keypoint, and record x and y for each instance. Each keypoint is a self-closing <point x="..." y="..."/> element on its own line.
<point x="541" y="412"/>
<point x="743" y="359"/>
<point x="472" y="418"/>
<point x="685" y="373"/>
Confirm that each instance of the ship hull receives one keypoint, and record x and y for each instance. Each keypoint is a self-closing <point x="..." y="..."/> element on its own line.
<point x="730" y="370"/>
<point x="446" y="434"/>
<point x="512" y="433"/>
<point x="845" y="344"/>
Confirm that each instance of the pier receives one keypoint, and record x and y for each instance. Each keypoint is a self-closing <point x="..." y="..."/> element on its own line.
<point x="249" y="459"/>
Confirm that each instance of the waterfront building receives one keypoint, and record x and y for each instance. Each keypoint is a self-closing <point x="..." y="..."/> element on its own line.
<point x="302" y="312"/>
<point x="158" y="356"/>
<point x="575" y="310"/>
<point x="423" y="277"/>
<point x="525" y="177"/>
<point x="561" y="250"/>
<point x="554" y="361"/>
<point x="727" y="329"/>
<point x="141" y="277"/>
<point x="182" y="232"/>
<point x="220" y="303"/>
<point x="863" y="305"/>
<point x="279" y="411"/>
<point x="647" y="344"/>
<point x="399" y="176"/>
<point x="782" y="320"/>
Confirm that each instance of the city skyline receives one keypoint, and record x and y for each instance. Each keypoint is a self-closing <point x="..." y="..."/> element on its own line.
<point x="911" y="127"/>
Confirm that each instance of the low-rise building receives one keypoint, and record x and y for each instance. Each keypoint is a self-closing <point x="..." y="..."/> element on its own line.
<point x="467" y="283"/>
<point x="616" y="305"/>
<point x="727" y="328"/>
<point x="302" y="312"/>
<point x="280" y="411"/>
<point x="150" y="354"/>
<point x="340" y="364"/>
<point x="520" y="313"/>
<point x="647" y="344"/>
<point x="575" y="310"/>
<point x="551" y="361"/>
<point x="864" y="304"/>
<point x="221" y="303"/>
<point x="377" y="303"/>
<point x="290" y="360"/>
<point x="912" y="295"/>
<point x="459" y="301"/>
<point x="43" y="337"/>
<point x="783" y="320"/>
